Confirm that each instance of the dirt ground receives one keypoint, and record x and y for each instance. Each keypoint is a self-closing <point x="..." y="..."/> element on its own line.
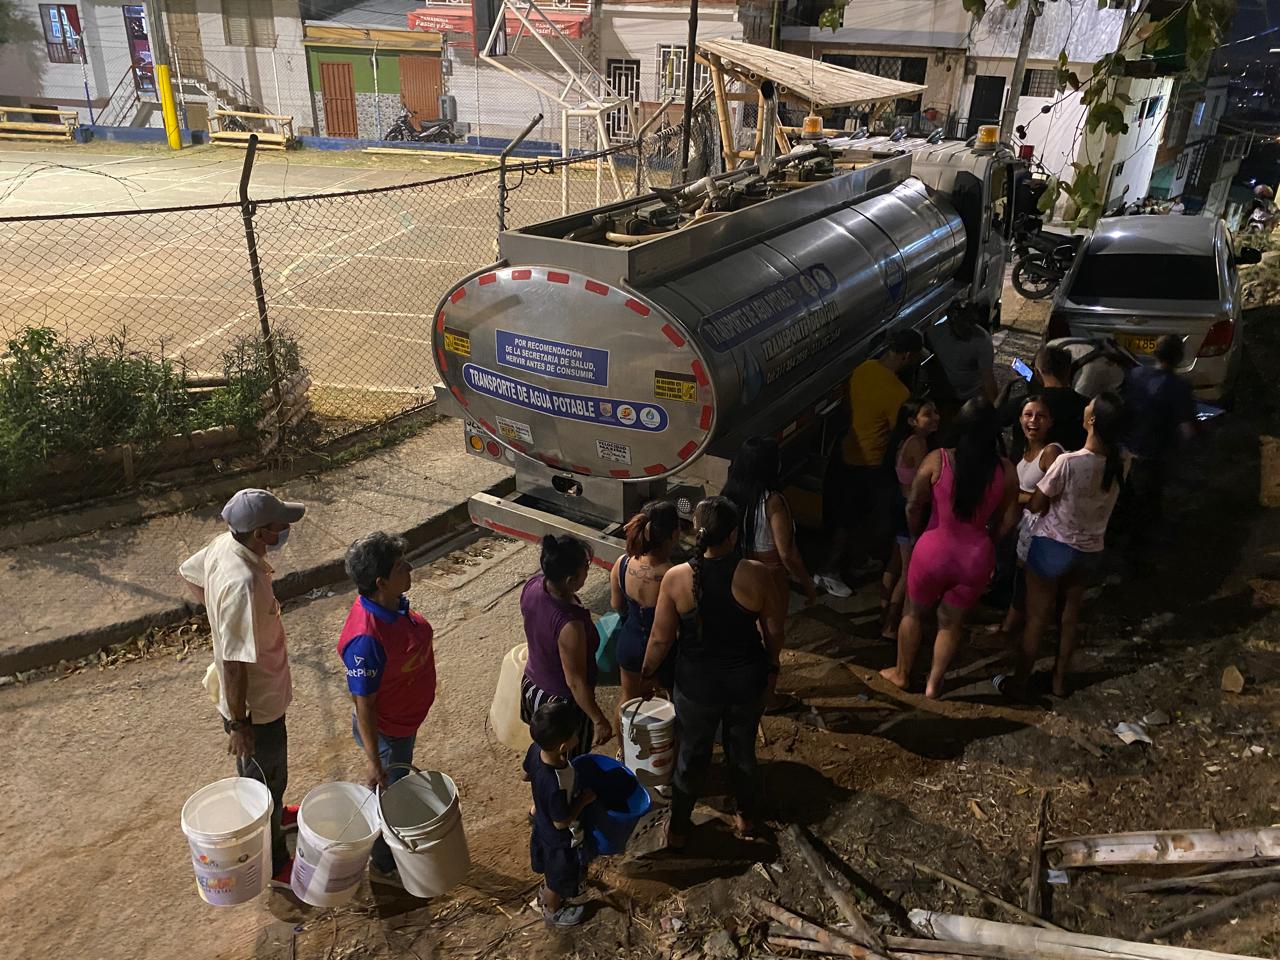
<point x="101" y="760"/>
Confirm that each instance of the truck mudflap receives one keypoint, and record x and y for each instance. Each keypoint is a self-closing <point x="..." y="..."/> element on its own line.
<point x="512" y="519"/>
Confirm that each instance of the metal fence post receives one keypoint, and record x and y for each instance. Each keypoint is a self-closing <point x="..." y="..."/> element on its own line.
<point x="247" y="210"/>
<point x="502" y="170"/>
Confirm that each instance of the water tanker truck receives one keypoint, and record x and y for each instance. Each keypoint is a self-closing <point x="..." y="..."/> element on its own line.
<point x="623" y="354"/>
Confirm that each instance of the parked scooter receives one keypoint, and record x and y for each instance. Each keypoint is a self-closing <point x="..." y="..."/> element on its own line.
<point x="1041" y="258"/>
<point x="433" y="131"/>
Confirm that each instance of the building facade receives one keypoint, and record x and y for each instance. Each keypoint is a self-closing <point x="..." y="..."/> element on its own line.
<point x="99" y="59"/>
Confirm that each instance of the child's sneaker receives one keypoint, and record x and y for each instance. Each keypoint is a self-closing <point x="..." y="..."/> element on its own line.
<point x="569" y="915"/>
<point x="289" y="817"/>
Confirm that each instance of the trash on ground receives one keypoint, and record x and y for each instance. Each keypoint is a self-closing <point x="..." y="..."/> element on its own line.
<point x="1132" y="733"/>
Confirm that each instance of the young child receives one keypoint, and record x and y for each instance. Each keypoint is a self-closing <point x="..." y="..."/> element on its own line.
<point x="555" y="846"/>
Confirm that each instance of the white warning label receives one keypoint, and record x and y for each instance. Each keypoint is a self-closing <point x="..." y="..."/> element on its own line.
<point x="613" y="452"/>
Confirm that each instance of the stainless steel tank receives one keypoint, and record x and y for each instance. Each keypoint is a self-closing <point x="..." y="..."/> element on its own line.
<point x="630" y="362"/>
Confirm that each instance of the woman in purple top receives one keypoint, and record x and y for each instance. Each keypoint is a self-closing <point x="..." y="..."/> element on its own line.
<point x="562" y="640"/>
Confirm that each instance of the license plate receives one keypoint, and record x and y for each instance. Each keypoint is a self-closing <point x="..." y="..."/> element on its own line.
<point x="1138" y="344"/>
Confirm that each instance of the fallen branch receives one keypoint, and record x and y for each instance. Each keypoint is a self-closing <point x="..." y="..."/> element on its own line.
<point x="837" y="943"/>
<point x="1052" y="944"/>
<point x="990" y="898"/>
<point x="862" y="932"/>
<point x="1035" y="885"/>
<point x="1167" y="846"/>
<point x="1203" y="880"/>
<point x="803" y="945"/>
<point x="1219" y="910"/>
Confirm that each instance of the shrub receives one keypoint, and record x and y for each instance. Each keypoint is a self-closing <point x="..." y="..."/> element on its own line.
<point x="59" y="399"/>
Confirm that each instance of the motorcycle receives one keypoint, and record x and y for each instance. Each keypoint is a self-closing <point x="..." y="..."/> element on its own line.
<point x="1041" y="258"/>
<point x="433" y="131"/>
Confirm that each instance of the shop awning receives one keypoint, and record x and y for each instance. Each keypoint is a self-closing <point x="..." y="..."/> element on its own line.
<point x="823" y="85"/>
<point x="456" y="18"/>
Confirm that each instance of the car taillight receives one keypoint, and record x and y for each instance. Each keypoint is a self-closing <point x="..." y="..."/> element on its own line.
<point x="1058" y="328"/>
<point x="1218" y="340"/>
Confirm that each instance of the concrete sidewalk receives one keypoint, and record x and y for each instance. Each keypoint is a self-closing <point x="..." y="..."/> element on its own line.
<point x="69" y="598"/>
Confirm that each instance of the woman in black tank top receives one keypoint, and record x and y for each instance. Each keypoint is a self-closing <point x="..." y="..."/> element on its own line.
<point x="728" y="616"/>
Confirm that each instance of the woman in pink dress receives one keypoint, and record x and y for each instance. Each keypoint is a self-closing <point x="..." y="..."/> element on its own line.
<point x="974" y="493"/>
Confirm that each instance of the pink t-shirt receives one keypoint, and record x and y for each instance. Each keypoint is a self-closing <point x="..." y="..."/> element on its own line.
<point x="1080" y="508"/>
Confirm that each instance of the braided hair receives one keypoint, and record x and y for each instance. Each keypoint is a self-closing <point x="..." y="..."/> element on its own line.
<point x="655" y="524"/>
<point x="714" y="519"/>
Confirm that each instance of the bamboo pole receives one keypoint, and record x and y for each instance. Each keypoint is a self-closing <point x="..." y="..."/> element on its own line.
<point x="1167" y="846"/>
<point x="990" y="898"/>
<point x="722" y="114"/>
<point x="1053" y="944"/>
<point x="838" y="943"/>
<point x="863" y="932"/>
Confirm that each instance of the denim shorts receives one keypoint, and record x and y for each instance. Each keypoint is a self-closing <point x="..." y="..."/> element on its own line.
<point x="1052" y="560"/>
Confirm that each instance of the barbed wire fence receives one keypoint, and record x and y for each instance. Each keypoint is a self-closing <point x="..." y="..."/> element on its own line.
<point x="159" y="346"/>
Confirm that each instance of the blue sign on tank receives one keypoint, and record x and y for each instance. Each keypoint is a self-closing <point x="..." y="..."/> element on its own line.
<point x="645" y="417"/>
<point x="550" y="358"/>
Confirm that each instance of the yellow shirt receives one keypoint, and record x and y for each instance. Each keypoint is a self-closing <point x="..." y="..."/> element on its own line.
<point x="875" y="395"/>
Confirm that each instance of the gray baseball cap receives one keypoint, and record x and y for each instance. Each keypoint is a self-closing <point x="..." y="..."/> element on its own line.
<point x="247" y="510"/>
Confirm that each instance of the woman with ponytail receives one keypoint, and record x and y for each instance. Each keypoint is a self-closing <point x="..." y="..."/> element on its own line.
<point x="562" y="641"/>
<point x="633" y="591"/>
<point x="766" y="530"/>
<point x="973" y="490"/>
<point x="1075" y="498"/>
<point x="728" y="615"/>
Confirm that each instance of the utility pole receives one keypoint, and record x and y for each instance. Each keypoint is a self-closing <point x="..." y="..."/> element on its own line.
<point x="164" y="84"/>
<point x="1010" y="118"/>
<point x="690" y="61"/>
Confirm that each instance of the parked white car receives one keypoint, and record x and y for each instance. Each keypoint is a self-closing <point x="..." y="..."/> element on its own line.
<point x="1138" y="278"/>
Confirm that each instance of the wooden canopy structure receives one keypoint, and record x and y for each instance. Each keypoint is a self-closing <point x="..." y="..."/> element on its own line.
<point x="821" y="86"/>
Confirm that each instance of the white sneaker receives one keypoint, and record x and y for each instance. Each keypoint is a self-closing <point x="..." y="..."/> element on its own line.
<point x="832" y="585"/>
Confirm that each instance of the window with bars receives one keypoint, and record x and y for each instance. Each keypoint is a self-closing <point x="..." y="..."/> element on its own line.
<point x="61" y="23"/>
<point x="1040" y="83"/>
<point x="671" y="70"/>
<point x="248" y="23"/>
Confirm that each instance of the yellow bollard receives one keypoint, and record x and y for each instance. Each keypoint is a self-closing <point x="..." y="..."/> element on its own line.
<point x="168" y="108"/>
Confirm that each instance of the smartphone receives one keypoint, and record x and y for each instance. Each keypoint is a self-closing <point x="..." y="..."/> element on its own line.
<point x="1021" y="369"/>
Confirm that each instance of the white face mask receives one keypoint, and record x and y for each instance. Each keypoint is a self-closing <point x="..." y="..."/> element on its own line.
<point x="284" y="538"/>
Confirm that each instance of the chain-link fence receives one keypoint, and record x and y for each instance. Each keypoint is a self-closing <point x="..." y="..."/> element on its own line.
<point x="158" y="345"/>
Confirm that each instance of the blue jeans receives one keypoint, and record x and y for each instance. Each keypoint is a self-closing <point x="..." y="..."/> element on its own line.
<point x="390" y="750"/>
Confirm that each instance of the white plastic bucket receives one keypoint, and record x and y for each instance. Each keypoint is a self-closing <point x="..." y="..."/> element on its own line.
<point x="228" y="828"/>
<point x="422" y="824"/>
<point x="649" y="740"/>
<point x="337" y="825"/>
<point x="504" y="714"/>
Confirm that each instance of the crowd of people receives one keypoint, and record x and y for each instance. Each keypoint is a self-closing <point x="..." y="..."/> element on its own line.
<point x="942" y="487"/>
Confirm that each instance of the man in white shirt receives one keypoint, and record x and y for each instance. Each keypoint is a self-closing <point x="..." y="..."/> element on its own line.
<point x="232" y="578"/>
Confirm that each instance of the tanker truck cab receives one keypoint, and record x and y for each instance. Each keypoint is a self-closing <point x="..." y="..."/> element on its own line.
<point x="623" y="354"/>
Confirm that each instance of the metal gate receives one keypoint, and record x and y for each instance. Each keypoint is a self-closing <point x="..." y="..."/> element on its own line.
<point x="338" y="92"/>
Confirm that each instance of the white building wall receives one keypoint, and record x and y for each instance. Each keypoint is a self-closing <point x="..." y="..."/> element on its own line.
<point x="275" y="77"/>
<point x="1079" y="27"/>
<point x="1136" y="149"/>
<point x="28" y="76"/>
<point x="632" y="32"/>
<point x="926" y="23"/>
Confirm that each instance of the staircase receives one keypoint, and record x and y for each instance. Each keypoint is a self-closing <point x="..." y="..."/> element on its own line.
<point x="223" y="91"/>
